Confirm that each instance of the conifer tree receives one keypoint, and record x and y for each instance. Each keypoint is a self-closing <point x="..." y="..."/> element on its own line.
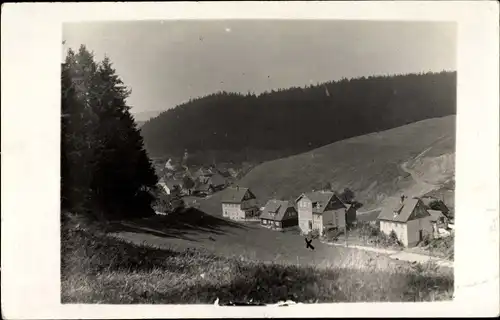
<point x="105" y="170"/>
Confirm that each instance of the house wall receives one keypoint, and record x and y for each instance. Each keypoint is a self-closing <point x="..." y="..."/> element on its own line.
<point x="414" y="227"/>
<point x="291" y="218"/>
<point x="290" y="223"/>
<point x="164" y="186"/>
<point x="340" y="222"/>
<point x="350" y="215"/>
<point x="399" y="228"/>
<point x="250" y="203"/>
<point x="232" y="211"/>
<point x="317" y="222"/>
<point x="305" y="214"/>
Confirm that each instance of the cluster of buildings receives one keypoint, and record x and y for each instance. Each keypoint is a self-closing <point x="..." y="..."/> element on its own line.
<point x="202" y="182"/>
<point x="410" y="218"/>
<point x="318" y="210"/>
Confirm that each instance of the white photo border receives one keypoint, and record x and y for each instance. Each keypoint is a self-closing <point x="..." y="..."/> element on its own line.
<point x="31" y="55"/>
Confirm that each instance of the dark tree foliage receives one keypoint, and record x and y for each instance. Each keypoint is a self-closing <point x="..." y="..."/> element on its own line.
<point x="237" y="127"/>
<point x="106" y="172"/>
<point x="347" y="196"/>
<point x="188" y="182"/>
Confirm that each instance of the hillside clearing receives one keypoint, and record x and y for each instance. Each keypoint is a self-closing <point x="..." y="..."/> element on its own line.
<point x="370" y="165"/>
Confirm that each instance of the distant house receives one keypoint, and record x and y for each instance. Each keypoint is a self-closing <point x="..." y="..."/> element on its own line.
<point x="239" y="204"/>
<point x="224" y="172"/>
<point x="408" y="218"/>
<point x="208" y="184"/>
<point x="203" y="172"/>
<point x="232" y="172"/>
<point x="202" y="188"/>
<point x="432" y="203"/>
<point x="440" y="223"/>
<point x="350" y="214"/>
<point x="370" y="217"/>
<point x="170" y="186"/>
<point x="319" y="211"/>
<point x="279" y="215"/>
<point x="217" y="181"/>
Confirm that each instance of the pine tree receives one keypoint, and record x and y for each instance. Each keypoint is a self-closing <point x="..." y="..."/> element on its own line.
<point x="125" y="175"/>
<point x="105" y="169"/>
<point x="79" y="124"/>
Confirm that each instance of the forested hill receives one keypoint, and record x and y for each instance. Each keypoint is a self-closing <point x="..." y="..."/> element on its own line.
<point x="230" y="126"/>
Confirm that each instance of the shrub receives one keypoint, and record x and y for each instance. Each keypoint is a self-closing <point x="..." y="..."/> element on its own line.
<point x="393" y="239"/>
<point x="314" y="234"/>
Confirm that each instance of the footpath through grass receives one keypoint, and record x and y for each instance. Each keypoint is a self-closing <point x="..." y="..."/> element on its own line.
<point x="96" y="268"/>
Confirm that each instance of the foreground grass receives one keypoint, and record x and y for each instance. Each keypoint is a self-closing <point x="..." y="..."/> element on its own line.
<point x="100" y="269"/>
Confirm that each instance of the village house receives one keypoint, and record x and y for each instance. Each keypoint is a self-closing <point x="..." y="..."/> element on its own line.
<point x="409" y="219"/>
<point x="368" y="218"/>
<point x="321" y="211"/>
<point x="239" y="204"/>
<point x="432" y="203"/>
<point x="170" y="186"/>
<point x="350" y="214"/>
<point x="203" y="172"/>
<point x="206" y="185"/>
<point x="279" y="215"/>
<point x="439" y="224"/>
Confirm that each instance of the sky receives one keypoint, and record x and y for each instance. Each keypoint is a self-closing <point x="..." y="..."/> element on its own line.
<point x="166" y="63"/>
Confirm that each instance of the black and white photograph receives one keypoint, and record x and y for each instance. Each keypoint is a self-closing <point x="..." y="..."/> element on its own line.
<point x="261" y="162"/>
<point x="265" y="161"/>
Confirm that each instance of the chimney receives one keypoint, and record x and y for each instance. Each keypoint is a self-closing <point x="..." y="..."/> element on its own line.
<point x="402" y="198"/>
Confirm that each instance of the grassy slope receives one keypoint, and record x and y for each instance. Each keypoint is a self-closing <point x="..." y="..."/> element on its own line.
<point x="370" y="165"/>
<point x="96" y="268"/>
<point x="195" y="230"/>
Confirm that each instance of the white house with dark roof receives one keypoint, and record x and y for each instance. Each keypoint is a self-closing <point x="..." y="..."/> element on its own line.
<point x="408" y="218"/>
<point x="320" y="210"/>
<point x="239" y="204"/>
<point x="278" y="214"/>
<point x="170" y="185"/>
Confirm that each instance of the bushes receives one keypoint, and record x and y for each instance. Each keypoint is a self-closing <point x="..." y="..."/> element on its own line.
<point x="167" y="203"/>
<point x="443" y="247"/>
<point x="373" y="235"/>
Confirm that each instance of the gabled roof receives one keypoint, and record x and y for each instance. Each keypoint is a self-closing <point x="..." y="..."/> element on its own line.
<point x="276" y="209"/>
<point x="204" y="172"/>
<point x="172" y="183"/>
<point x="321" y="198"/>
<point x="371" y="216"/>
<point x="217" y="180"/>
<point x="427" y="200"/>
<point x="436" y="214"/>
<point x="202" y="185"/>
<point x="235" y="194"/>
<point x="401" y="212"/>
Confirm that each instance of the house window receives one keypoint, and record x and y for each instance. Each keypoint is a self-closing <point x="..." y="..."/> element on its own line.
<point x="264" y="221"/>
<point x="276" y="223"/>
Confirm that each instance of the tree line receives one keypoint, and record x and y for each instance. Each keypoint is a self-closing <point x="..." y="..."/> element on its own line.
<point x="247" y="127"/>
<point x="105" y="171"/>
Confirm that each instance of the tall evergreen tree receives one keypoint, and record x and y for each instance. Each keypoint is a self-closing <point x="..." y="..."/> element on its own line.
<point x="105" y="169"/>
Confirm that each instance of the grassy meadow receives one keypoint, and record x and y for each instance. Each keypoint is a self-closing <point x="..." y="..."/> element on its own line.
<point x="97" y="268"/>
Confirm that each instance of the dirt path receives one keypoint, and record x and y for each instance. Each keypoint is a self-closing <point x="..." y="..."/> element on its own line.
<point x="400" y="255"/>
<point x="369" y="211"/>
<point x="421" y="186"/>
